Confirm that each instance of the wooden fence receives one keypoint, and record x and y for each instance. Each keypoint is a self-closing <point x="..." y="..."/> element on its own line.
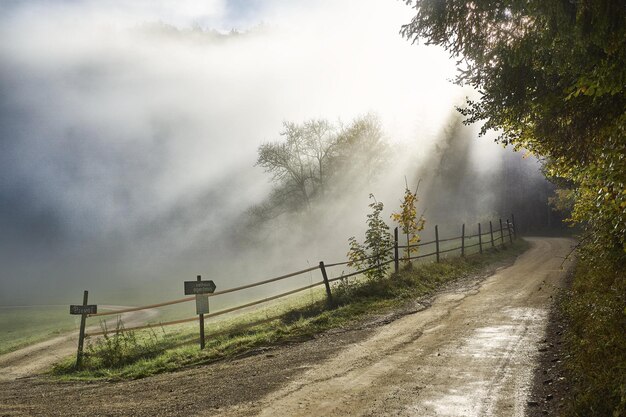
<point x="326" y="279"/>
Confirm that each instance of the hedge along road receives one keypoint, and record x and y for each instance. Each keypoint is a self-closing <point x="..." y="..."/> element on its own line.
<point x="471" y="353"/>
<point x="39" y="357"/>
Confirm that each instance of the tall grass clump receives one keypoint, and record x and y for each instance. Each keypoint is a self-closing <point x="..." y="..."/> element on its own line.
<point x="117" y="348"/>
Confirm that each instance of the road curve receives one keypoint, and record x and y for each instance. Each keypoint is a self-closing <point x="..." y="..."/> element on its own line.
<point x="470" y="354"/>
<point x="39" y="357"/>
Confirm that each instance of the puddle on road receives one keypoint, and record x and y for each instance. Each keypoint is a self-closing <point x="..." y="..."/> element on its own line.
<point x="487" y="370"/>
<point x="462" y="401"/>
<point x="496" y="341"/>
<point x="489" y="342"/>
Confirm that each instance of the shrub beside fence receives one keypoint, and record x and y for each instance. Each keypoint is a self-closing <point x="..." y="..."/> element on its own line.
<point x="511" y="234"/>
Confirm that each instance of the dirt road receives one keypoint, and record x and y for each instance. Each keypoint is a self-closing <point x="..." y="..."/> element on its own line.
<point x="39" y="357"/>
<point x="471" y="353"/>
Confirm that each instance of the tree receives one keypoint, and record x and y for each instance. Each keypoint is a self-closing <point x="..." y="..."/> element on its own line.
<point x="409" y="222"/>
<point x="320" y="142"/>
<point x="361" y="148"/>
<point x="552" y="79"/>
<point x="317" y="157"/>
<point x="375" y="252"/>
<point x="290" y="163"/>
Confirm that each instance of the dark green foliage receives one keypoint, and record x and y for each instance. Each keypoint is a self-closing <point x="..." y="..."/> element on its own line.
<point x="552" y="78"/>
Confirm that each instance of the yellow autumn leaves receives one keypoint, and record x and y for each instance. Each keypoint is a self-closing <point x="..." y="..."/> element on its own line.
<point x="408" y="221"/>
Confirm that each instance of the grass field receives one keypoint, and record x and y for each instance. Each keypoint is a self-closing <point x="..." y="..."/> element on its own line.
<point x="23" y="325"/>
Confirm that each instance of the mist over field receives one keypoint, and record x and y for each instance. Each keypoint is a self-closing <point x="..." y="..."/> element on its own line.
<point x="129" y="136"/>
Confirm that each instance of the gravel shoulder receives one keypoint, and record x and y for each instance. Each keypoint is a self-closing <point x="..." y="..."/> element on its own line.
<point x="550" y="382"/>
<point x="467" y="351"/>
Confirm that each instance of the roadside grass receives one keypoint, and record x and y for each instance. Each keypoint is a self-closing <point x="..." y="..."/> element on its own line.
<point x="595" y="337"/>
<point x="137" y="354"/>
<point x="21" y="326"/>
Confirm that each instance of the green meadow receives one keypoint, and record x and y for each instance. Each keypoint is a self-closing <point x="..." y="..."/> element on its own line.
<point x="21" y="326"/>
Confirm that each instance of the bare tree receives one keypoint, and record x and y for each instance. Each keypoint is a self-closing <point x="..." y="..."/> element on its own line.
<point x="361" y="146"/>
<point x="321" y="139"/>
<point x="288" y="162"/>
<point x="315" y="154"/>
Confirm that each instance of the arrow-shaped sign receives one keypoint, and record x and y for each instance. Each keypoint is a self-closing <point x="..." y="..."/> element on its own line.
<point x="199" y="287"/>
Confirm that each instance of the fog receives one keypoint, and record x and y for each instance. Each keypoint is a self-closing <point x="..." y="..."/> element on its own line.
<point x="128" y="139"/>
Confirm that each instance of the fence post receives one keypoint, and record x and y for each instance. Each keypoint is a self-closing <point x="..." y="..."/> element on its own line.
<point x="514" y="226"/>
<point x="437" y="241"/>
<point x="463" y="240"/>
<point x="491" y="233"/>
<point x="501" y="233"/>
<point x="480" y="240"/>
<point x="81" y="334"/>
<point x="199" y="278"/>
<point x="508" y="228"/>
<point x="329" y="294"/>
<point x="396" y="261"/>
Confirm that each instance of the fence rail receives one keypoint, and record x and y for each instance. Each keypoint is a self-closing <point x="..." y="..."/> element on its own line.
<point x="383" y="256"/>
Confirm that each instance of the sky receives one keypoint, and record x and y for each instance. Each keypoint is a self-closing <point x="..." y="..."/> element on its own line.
<point x="129" y="130"/>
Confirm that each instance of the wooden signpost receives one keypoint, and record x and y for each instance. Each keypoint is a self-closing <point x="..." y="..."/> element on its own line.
<point x="437" y="241"/>
<point x="396" y="260"/>
<point x="200" y="289"/>
<point x="84" y="310"/>
<point x="480" y="239"/>
<point x="463" y="241"/>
